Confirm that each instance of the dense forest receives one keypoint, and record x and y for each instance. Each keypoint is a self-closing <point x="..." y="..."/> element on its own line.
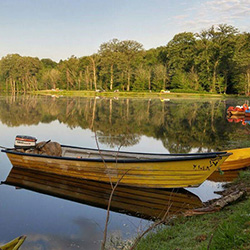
<point x="216" y="60"/>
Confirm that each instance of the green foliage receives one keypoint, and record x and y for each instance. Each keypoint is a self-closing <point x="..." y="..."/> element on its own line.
<point x="215" y="60"/>
<point x="180" y="80"/>
<point x="188" y="91"/>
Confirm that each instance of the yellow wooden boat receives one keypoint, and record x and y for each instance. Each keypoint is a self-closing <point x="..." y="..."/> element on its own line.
<point x="148" y="203"/>
<point x="240" y="158"/>
<point x="135" y="169"/>
<point x="14" y="244"/>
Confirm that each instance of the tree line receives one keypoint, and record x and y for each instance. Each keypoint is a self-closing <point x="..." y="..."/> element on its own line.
<point x="216" y="60"/>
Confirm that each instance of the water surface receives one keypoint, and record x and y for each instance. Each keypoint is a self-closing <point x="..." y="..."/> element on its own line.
<point x="143" y="125"/>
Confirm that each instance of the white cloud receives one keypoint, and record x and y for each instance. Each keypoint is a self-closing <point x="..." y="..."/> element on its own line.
<point x="180" y="17"/>
<point x="210" y="12"/>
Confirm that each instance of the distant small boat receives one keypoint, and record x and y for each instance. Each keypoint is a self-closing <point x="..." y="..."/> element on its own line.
<point x="240" y="158"/>
<point x="238" y="110"/>
<point x="134" y="169"/>
<point x="147" y="203"/>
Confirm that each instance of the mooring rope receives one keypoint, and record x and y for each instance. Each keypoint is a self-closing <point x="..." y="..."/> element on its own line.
<point x="5" y="148"/>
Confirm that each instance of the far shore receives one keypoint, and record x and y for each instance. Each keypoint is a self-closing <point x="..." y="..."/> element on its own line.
<point x="124" y="94"/>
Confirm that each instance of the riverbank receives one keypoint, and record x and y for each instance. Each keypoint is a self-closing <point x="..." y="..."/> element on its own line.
<point x="124" y="94"/>
<point x="226" y="229"/>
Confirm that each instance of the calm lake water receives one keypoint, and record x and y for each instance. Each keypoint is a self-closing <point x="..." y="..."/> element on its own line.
<point x="53" y="215"/>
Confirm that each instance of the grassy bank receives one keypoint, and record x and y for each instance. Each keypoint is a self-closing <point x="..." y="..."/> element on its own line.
<point x="226" y="229"/>
<point x="128" y="94"/>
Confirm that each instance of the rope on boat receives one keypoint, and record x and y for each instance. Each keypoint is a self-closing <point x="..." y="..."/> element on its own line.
<point x="6" y="148"/>
<point x="41" y="146"/>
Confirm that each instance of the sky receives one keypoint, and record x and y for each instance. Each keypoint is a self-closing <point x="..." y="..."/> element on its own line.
<point x="58" y="29"/>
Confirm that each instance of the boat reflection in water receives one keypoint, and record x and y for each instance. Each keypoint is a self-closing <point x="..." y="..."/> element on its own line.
<point x="244" y="120"/>
<point x="147" y="203"/>
<point x="226" y="176"/>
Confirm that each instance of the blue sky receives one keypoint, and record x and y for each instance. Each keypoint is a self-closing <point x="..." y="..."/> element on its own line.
<point x="57" y="29"/>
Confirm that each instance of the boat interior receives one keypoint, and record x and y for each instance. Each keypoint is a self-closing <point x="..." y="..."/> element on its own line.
<point x="86" y="153"/>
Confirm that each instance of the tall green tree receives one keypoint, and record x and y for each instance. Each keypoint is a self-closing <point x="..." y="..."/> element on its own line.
<point x="242" y="63"/>
<point x="215" y="52"/>
<point x="130" y="55"/>
<point x="110" y="53"/>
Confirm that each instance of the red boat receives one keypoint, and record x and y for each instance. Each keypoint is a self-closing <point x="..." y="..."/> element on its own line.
<point x="238" y="110"/>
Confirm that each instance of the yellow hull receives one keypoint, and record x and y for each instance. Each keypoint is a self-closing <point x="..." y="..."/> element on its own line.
<point x="162" y="174"/>
<point x="141" y="202"/>
<point x="237" y="112"/>
<point x="14" y="244"/>
<point x="240" y="158"/>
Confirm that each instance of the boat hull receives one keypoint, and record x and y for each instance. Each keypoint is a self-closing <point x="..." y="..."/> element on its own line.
<point x="237" y="112"/>
<point x="153" y="174"/>
<point x="240" y="158"/>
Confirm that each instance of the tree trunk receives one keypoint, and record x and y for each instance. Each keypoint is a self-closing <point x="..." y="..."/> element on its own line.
<point x="14" y="87"/>
<point x="79" y="80"/>
<point x="128" y="83"/>
<point x="149" y="80"/>
<point x="111" y="76"/>
<point x="7" y="85"/>
<point x="11" y="85"/>
<point x="248" y="81"/>
<point x="24" y="86"/>
<point x="214" y="76"/>
<point x="94" y="72"/>
<point x="225" y="79"/>
<point x="67" y="79"/>
<point x="87" y="77"/>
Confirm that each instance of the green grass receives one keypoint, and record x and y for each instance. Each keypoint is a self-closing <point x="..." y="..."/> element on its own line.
<point x="244" y="177"/>
<point x="230" y="229"/>
<point x="227" y="229"/>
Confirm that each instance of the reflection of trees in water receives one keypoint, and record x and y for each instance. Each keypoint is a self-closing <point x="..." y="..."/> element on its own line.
<point x="194" y="125"/>
<point x="174" y="147"/>
<point x="180" y="125"/>
<point x="122" y="140"/>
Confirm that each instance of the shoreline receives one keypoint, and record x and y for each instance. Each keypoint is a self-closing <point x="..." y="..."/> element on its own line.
<point x="228" y="228"/>
<point x="83" y="93"/>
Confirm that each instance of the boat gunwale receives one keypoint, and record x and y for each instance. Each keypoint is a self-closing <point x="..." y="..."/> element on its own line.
<point x="179" y="157"/>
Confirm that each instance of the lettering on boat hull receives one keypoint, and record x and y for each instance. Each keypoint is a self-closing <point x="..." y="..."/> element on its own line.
<point x="212" y="163"/>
